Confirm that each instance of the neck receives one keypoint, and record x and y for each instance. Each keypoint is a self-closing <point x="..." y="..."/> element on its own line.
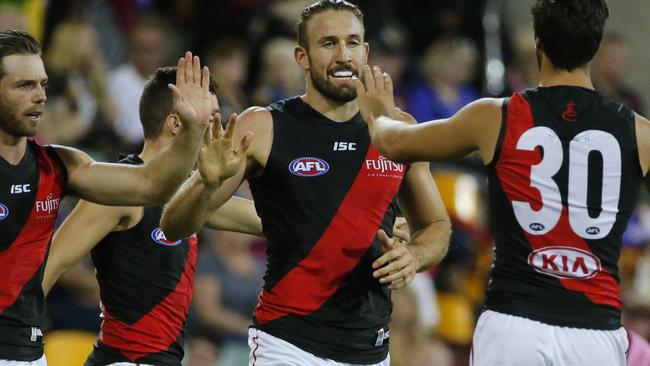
<point x="153" y="147"/>
<point x="12" y="148"/>
<point x="336" y="111"/>
<point x="551" y="76"/>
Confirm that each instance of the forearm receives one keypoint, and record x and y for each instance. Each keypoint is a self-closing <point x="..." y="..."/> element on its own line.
<point x="168" y="169"/>
<point x="188" y="210"/>
<point x="429" y="245"/>
<point x="237" y="214"/>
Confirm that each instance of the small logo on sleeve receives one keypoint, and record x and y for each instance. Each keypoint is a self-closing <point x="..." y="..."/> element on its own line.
<point x="308" y="167"/>
<point x="381" y="337"/>
<point x="159" y="237"/>
<point x="4" y="212"/>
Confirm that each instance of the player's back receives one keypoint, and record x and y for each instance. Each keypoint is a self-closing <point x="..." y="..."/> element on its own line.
<point x="563" y="183"/>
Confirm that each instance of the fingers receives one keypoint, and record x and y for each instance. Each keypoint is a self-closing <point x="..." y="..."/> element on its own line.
<point x="388" y="83"/>
<point x="245" y="142"/>
<point x="401" y="235"/>
<point x="207" y="136"/>
<point x="196" y="70"/>
<point x="205" y="77"/>
<point x="379" y="78"/>
<point x="359" y="87"/>
<point x="176" y="94"/>
<point x="217" y="129"/>
<point x="403" y="282"/>
<point x="230" y="127"/>
<point x="180" y="71"/>
<point x="368" y="78"/>
<point x="188" y="68"/>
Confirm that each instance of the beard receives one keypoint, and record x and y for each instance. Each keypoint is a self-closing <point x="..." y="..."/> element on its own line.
<point x="337" y="93"/>
<point x="11" y="124"/>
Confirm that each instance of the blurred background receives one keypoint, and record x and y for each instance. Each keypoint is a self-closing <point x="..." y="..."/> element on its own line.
<point x="442" y="55"/>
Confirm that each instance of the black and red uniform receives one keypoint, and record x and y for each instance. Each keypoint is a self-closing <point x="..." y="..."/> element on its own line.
<point x="563" y="183"/>
<point x="146" y="284"/>
<point x="30" y="193"/>
<point x="324" y="193"/>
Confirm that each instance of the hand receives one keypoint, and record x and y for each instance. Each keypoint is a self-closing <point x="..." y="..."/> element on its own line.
<point x="218" y="160"/>
<point x="192" y="100"/>
<point x="397" y="266"/>
<point x="375" y="94"/>
<point x="401" y="230"/>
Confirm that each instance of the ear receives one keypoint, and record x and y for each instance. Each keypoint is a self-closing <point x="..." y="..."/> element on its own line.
<point x="300" y="54"/>
<point x="173" y="124"/>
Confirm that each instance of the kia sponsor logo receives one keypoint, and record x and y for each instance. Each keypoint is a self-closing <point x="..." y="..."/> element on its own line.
<point x="565" y="262"/>
<point x="159" y="237"/>
<point x="4" y="212"/>
<point x="308" y="167"/>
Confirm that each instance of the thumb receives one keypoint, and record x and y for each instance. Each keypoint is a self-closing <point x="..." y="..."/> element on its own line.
<point x="358" y="86"/>
<point x="386" y="242"/>
<point x="246" y="141"/>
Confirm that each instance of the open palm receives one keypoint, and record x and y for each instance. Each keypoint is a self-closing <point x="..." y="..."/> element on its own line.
<point x="191" y="94"/>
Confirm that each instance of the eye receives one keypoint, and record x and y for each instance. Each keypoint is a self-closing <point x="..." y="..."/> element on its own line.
<point x="328" y="44"/>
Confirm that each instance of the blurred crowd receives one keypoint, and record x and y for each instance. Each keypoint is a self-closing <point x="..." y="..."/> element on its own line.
<point x="98" y="54"/>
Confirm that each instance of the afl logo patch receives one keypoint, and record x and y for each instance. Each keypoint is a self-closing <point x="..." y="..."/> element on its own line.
<point x="308" y="167"/>
<point x="159" y="237"/>
<point x="4" y="212"/>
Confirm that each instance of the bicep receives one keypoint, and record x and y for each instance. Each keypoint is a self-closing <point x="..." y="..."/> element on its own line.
<point x="105" y="183"/>
<point x="419" y="198"/>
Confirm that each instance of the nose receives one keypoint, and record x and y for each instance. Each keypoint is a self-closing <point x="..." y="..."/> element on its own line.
<point x="39" y="95"/>
<point x="343" y="53"/>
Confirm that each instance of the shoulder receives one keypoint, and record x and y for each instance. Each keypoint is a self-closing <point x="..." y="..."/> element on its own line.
<point x="71" y="157"/>
<point x="482" y="109"/>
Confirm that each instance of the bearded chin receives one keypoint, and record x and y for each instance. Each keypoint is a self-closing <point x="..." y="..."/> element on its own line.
<point x="340" y="94"/>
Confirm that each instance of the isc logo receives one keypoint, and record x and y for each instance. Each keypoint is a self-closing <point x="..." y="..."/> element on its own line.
<point x="345" y="146"/>
<point x="159" y="237"/>
<point x="308" y="167"/>
<point x="565" y="262"/>
<point x="20" y="188"/>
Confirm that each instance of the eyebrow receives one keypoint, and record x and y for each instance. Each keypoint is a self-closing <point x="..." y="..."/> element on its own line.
<point x="334" y="38"/>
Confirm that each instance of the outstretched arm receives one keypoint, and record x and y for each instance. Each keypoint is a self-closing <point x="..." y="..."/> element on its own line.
<point x="643" y="145"/>
<point x="155" y="181"/>
<point x="475" y="127"/>
<point x="199" y="197"/>
<point x="430" y="229"/>
<point x="237" y="214"/>
<point x="86" y="225"/>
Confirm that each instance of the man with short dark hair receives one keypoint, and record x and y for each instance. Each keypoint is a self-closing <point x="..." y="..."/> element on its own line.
<point x="33" y="178"/>
<point x="565" y="166"/>
<point x="146" y="281"/>
<point x="327" y="200"/>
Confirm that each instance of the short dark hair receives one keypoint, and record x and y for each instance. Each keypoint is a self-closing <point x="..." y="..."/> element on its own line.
<point x="319" y="7"/>
<point x="14" y="42"/>
<point x="156" y="102"/>
<point x="569" y="31"/>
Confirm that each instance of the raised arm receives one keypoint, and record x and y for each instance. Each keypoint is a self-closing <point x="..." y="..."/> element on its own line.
<point x="200" y="196"/>
<point x="86" y="225"/>
<point x="155" y="181"/>
<point x="475" y="127"/>
<point x="430" y="229"/>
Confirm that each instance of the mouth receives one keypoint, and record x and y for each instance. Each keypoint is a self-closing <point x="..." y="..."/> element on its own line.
<point x="344" y="75"/>
<point x="34" y="115"/>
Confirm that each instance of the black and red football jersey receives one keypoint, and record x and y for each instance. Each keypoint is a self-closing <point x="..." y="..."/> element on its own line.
<point x="564" y="181"/>
<point x="324" y="193"/>
<point x="30" y="193"/>
<point x="146" y="284"/>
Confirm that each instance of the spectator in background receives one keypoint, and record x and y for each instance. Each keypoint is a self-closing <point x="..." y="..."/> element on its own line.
<point x="227" y="59"/>
<point x="523" y="73"/>
<point x="448" y="65"/>
<point x="279" y="78"/>
<point x="148" y="47"/>
<point x="78" y="96"/>
<point x="228" y="283"/>
<point x="610" y="64"/>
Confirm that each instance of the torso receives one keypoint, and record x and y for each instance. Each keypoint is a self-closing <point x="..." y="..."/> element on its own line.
<point x="30" y="193"/>
<point x="324" y="193"/>
<point x="563" y="183"/>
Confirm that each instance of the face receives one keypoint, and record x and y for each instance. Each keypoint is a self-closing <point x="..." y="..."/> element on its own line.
<point x="148" y="49"/>
<point x="336" y="53"/>
<point x="22" y="94"/>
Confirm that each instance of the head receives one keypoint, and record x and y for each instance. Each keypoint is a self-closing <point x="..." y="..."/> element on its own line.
<point x="157" y="104"/>
<point x="148" y="43"/>
<point x="568" y="32"/>
<point x="450" y="61"/>
<point x="22" y="83"/>
<point x="331" y="48"/>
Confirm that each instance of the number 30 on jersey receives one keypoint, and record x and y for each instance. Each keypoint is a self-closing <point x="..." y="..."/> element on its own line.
<point x="541" y="178"/>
